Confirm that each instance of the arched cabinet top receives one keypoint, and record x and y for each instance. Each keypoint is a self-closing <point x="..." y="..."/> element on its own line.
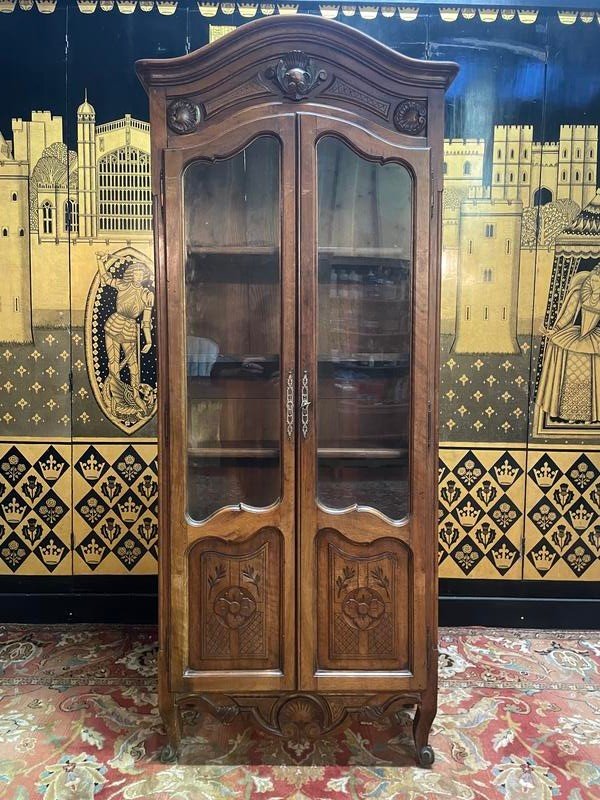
<point x="299" y="60"/>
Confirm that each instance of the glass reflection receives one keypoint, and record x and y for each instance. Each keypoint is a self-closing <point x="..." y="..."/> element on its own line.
<point x="364" y="328"/>
<point x="232" y="285"/>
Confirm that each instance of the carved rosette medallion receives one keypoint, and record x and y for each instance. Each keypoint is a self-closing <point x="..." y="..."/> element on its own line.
<point x="296" y="75"/>
<point x="234" y="607"/>
<point x="363" y="608"/>
<point x="410" y="117"/>
<point x="183" y="116"/>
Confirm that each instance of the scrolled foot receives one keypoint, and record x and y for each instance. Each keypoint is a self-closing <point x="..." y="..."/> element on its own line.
<point x="426" y="756"/>
<point x="168" y="754"/>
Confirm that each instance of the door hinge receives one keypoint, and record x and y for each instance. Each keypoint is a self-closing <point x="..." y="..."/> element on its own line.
<point x="71" y="381"/>
<point x="162" y="189"/>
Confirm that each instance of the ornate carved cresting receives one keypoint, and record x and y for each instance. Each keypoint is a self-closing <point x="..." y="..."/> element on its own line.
<point x="296" y="74"/>
<point x="410" y="117"/>
<point x="237" y="620"/>
<point x="183" y="116"/>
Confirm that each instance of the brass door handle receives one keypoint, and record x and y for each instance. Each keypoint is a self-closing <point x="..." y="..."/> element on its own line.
<point x="304" y="404"/>
<point x="289" y="405"/>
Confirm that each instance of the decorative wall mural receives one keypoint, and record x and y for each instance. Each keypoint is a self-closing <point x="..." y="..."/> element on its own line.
<point x="520" y="321"/>
<point x="119" y="328"/>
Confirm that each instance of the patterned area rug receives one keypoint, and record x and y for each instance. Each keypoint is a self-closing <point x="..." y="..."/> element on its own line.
<point x="519" y="719"/>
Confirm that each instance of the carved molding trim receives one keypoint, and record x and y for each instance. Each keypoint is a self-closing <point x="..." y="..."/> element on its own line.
<point x="339" y="88"/>
<point x="299" y="716"/>
<point x="410" y="117"/>
<point x="183" y="116"/>
<point x="296" y="74"/>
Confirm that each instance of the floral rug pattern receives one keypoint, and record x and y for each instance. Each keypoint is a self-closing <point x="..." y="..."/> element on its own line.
<point x="519" y="719"/>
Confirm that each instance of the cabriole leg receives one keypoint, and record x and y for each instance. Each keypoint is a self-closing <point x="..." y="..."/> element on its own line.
<point x="172" y="722"/>
<point x="424" y="717"/>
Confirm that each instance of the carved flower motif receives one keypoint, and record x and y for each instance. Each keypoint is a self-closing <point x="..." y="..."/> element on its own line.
<point x="363" y="607"/>
<point x="234" y="607"/>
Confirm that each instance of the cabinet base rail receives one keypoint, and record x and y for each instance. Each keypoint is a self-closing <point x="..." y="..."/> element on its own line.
<point x="299" y="716"/>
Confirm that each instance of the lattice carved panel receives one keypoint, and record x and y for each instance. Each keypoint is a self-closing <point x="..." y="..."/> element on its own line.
<point x="235" y="602"/>
<point x="364" y="603"/>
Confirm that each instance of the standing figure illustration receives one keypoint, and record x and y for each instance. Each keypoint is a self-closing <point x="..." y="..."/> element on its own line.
<point x="122" y="336"/>
<point x="569" y="386"/>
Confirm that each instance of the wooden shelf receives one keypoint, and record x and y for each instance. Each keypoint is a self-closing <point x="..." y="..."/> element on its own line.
<point x="232" y="250"/>
<point x="361" y="452"/>
<point x="387" y="253"/>
<point x="233" y="452"/>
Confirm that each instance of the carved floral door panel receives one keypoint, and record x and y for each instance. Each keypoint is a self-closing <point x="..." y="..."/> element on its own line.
<point x="230" y="217"/>
<point x="364" y="289"/>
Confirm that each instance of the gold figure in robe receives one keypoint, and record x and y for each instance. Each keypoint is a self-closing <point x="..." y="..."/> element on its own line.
<point x="570" y="381"/>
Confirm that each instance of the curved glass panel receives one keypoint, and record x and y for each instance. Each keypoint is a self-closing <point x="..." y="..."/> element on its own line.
<point x="232" y="294"/>
<point x="363" y="330"/>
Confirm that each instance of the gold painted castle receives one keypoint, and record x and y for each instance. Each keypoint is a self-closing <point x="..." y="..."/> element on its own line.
<point x="59" y="208"/>
<point x="497" y="237"/>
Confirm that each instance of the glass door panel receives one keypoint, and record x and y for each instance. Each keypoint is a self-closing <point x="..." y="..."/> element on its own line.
<point x="365" y="232"/>
<point x="233" y="324"/>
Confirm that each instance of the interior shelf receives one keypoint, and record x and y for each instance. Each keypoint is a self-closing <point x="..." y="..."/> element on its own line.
<point x="214" y="451"/>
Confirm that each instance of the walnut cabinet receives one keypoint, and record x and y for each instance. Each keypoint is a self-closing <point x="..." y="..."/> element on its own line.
<point x="297" y="184"/>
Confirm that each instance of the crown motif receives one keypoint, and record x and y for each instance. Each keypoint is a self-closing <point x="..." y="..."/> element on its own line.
<point x="503" y="557"/>
<point x="52" y="553"/>
<point x="13" y="511"/>
<point x="545" y="475"/>
<point x="51" y="468"/>
<point x="91" y="469"/>
<point x="543" y="559"/>
<point x="93" y="552"/>
<point x="468" y="515"/>
<point x="506" y="473"/>
<point x="562" y="537"/>
<point x="129" y="510"/>
<point x="581" y="517"/>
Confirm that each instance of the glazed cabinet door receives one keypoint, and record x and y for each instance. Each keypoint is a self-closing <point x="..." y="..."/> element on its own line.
<point x="230" y="217"/>
<point x="366" y="512"/>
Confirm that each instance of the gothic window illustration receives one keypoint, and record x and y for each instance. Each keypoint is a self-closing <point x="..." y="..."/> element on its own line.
<point x="72" y="216"/>
<point x="47" y="217"/>
<point x="124" y="190"/>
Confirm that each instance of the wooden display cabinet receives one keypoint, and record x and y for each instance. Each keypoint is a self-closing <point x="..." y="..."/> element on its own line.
<point x="297" y="183"/>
